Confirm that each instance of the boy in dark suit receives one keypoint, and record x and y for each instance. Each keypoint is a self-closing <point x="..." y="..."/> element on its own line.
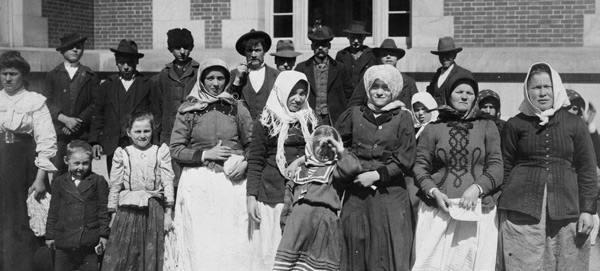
<point x="78" y="220"/>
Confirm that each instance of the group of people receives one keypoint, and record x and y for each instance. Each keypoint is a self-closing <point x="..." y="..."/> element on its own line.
<point x="338" y="164"/>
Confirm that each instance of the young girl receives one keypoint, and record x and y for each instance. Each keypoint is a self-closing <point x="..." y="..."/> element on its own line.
<point x="141" y="194"/>
<point x="422" y="104"/>
<point x="311" y="240"/>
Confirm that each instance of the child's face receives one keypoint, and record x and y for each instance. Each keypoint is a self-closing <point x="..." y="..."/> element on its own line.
<point x="324" y="152"/>
<point x="79" y="163"/>
<point x="140" y="133"/>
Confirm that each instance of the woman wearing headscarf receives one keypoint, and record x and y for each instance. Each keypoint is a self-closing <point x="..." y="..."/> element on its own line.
<point x="550" y="192"/>
<point x="27" y="143"/>
<point x="376" y="217"/>
<point x="210" y="140"/>
<point x="488" y="103"/>
<point x="278" y="138"/>
<point x="423" y="105"/>
<point x="458" y="164"/>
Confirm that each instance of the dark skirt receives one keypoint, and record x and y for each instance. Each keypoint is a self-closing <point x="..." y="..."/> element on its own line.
<point x="377" y="229"/>
<point x="310" y="241"/>
<point x="137" y="239"/>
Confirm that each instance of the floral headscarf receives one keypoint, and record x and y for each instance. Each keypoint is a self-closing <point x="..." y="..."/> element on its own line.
<point x="277" y="117"/>
<point x="561" y="99"/>
<point x="199" y="98"/>
<point x="389" y="75"/>
<point x="428" y="101"/>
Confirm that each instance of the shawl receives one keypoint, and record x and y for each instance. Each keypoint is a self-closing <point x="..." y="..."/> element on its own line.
<point x="277" y="117"/>
<point x="199" y="98"/>
<point x="389" y="75"/>
<point x="428" y="101"/>
<point x="561" y="99"/>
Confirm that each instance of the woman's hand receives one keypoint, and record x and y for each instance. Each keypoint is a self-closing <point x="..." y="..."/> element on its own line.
<point x="290" y="171"/>
<point x="97" y="151"/>
<point x="218" y="152"/>
<point x="37" y="188"/>
<point x="585" y="224"/>
<point x="252" y="206"/>
<point x="367" y="179"/>
<point x="71" y="123"/>
<point x="469" y="197"/>
<point x="168" y="220"/>
<point x="50" y="244"/>
<point x="442" y="200"/>
<point x="239" y="171"/>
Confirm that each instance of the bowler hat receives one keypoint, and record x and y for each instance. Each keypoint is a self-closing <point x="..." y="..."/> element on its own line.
<point x="127" y="47"/>
<point x="285" y="48"/>
<point x="179" y="37"/>
<point x="253" y="34"/>
<point x="43" y="260"/>
<point x="69" y="40"/>
<point x="445" y="45"/>
<point x="357" y="27"/>
<point x="321" y="33"/>
<point x="389" y="45"/>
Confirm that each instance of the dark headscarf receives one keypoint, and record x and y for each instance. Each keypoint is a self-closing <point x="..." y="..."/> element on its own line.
<point x="447" y="111"/>
<point x="577" y="100"/>
<point x="489" y="96"/>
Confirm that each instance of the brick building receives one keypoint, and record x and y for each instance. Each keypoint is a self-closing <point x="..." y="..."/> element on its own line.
<point x="501" y="38"/>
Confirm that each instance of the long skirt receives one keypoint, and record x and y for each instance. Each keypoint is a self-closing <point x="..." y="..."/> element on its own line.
<point x="18" y="244"/>
<point x="311" y="240"/>
<point x="443" y="243"/>
<point x="211" y="222"/>
<point x="136" y="239"/>
<point x="376" y="229"/>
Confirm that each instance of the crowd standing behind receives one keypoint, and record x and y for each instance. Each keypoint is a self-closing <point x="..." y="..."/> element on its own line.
<point x="331" y="164"/>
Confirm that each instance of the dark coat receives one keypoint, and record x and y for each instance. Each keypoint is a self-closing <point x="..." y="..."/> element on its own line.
<point x="107" y="124"/>
<point x="356" y="67"/>
<point x="439" y="94"/>
<point x="409" y="88"/>
<point x="78" y="216"/>
<point x="173" y="90"/>
<point x="254" y="101"/>
<point x="339" y="87"/>
<point x="56" y="90"/>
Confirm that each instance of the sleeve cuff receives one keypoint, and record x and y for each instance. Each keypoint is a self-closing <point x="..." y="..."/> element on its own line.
<point x="384" y="175"/>
<point x="430" y="192"/>
<point x="198" y="156"/>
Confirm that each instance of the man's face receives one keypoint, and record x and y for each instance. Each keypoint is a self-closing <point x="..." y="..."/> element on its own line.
<point x="181" y="54"/>
<point x="447" y="59"/>
<point x="320" y="48"/>
<point x="73" y="54"/>
<point x="127" y="66"/>
<point x="255" y="56"/>
<point x="356" y="41"/>
<point x="285" y="63"/>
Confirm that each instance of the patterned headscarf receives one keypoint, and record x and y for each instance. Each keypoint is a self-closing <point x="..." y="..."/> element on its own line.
<point x="561" y="99"/>
<point x="389" y="75"/>
<point x="428" y="101"/>
<point x="277" y="117"/>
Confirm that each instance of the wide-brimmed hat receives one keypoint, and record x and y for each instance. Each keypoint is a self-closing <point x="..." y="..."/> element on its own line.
<point x="253" y="34"/>
<point x="321" y="33"/>
<point x="43" y="260"/>
<point x="285" y="48"/>
<point x="179" y="37"/>
<point x="69" y="40"/>
<point x="127" y="47"/>
<point x="357" y="27"/>
<point x="389" y="45"/>
<point x="445" y="45"/>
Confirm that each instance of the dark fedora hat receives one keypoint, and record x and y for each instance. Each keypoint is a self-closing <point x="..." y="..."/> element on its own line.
<point x="253" y="34"/>
<point x="321" y="33"/>
<point x="69" y="40"/>
<point x="127" y="47"/>
<point x="357" y="27"/>
<point x="389" y="45"/>
<point x="285" y="48"/>
<point x="445" y="45"/>
<point x="43" y="260"/>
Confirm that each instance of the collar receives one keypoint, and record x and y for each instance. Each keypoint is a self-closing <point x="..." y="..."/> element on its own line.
<point x="132" y="78"/>
<point x="449" y="68"/>
<point x="68" y="65"/>
<point x="324" y="61"/>
<point x="262" y="66"/>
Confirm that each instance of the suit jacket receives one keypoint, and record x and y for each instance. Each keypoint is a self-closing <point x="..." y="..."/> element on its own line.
<point x="58" y="94"/>
<point x="339" y="86"/>
<point x="409" y="88"/>
<point x="356" y="67"/>
<point x="255" y="102"/>
<point x="439" y="93"/>
<point x="78" y="216"/>
<point x="107" y="122"/>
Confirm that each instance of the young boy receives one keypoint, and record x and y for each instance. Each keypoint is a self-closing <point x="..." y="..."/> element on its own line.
<point x="78" y="220"/>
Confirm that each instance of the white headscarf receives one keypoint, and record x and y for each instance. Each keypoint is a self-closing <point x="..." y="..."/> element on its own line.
<point x="199" y="98"/>
<point x="561" y="99"/>
<point x="277" y="117"/>
<point x="389" y="75"/>
<point x="428" y="101"/>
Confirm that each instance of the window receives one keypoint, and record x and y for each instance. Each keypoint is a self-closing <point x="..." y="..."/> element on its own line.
<point x="399" y="20"/>
<point x="338" y="14"/>
<point x="283" y="24"/>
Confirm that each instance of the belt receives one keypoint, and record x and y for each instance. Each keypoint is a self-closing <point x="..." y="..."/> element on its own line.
<point x="10" y="137"/>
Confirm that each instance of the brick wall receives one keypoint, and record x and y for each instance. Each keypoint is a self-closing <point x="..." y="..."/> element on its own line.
<point x="118" y="19"/>
<point x="211" y="12"/>
<point x="521" y="23"/>
<point x="67" y="16"/>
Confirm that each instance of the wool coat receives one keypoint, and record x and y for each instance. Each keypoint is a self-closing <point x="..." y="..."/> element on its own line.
<point x="357" y="67"/>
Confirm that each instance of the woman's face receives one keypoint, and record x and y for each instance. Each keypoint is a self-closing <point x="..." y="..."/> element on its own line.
<point x="214" y="82"/>
<point x="380" y="93"/>
<point x="539" y="89"/>
<point x="488" y="109"/>
<point x="462" y="97"/>
<point x="575" y="110"/>
<point x="421" y="113"/>
<point x="297" y="97"/>
<point x="12" y="79"/>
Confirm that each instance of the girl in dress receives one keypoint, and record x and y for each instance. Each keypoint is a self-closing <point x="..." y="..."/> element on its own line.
<point x="311" y="239"/>
<point x="140" y="200"/>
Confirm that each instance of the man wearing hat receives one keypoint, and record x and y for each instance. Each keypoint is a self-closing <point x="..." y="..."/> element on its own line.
<point x="121" y="95"/>
<point x="447" y="54"/>
<point x="330" y="81"/>
<point x="285" y="56"/>
<point x="357" y="57"/>
<point x="387" y="54"/>
<point x="70" y="90"/>
<point x="253" y="79"/>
